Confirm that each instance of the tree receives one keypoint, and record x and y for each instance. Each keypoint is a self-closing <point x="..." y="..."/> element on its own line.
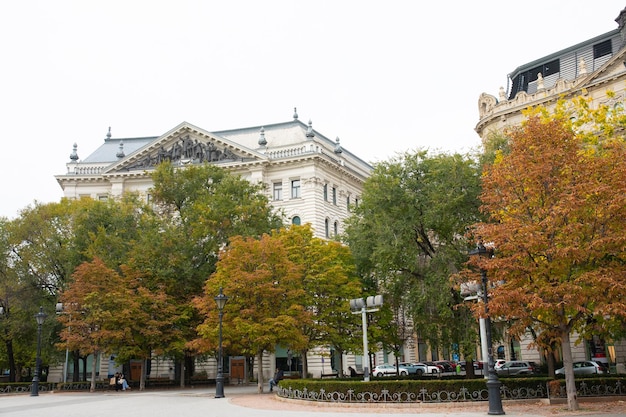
<point x="265" y="306"/>
<point x="200" y="208"/>
<point x="110" y="312"/>
<point x="329" y="281"/>
<point x="408" y="236"/>
<point x="557" y="209"/>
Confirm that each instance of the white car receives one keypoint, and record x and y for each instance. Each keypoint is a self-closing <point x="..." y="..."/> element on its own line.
<point x="384" y="370"/>
<point x="431" y="368"/>
<point x="499" y="364"/>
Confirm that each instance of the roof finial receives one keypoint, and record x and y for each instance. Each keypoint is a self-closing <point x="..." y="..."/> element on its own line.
<point x="74" y="154"/>
<point x="295" y="113"/>
<point x="309" y="131"/>
<point x="262" y="140"/>
<point x="109" y="133"/>
<point x="120" y="153"/>
<point x="338" y="149"/>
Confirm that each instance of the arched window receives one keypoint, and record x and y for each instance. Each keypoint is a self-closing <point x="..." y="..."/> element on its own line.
<point x="327" y="228"/>
<point x="336" y="228"/>
<point x="295" y="220"/>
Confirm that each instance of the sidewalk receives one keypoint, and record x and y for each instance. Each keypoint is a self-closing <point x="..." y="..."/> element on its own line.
<point x="243" y="401"/>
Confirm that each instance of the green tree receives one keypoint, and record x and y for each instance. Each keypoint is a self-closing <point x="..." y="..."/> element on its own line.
<point x="200" y="208"/>
<point x="557" y="209"/>
<point x="408" y="236"/>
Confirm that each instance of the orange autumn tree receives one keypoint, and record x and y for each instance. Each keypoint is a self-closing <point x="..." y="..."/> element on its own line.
<point x="557" y="219"/>
<point x="265" y="301"/>
<point x="115" y="312"/>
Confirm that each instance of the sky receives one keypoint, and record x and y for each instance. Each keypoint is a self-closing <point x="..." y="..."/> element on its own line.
<point x="384" y="76"/>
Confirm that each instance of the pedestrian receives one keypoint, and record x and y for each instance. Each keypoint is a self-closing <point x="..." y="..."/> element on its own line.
<point x="352" y="371"/>
<point x="118" y="384"/>
<point x="276" y="379"/>
<point x="124" y="383"/>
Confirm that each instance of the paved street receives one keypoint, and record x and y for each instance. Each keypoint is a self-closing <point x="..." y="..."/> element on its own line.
<point x="239" y="402"/>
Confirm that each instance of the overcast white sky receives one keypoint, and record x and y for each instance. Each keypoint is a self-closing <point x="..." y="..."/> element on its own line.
<point x="384" y="76"/>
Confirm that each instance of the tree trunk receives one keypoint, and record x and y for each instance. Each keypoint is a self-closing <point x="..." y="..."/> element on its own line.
<point x="260" y="381"/>
<point x="182" y="372"/>
<point x="11" y="357"/>
<point x="340" y="362"/>
<point x="76" y="361"/>
<point x="84" y="359"/>
<point x="92" y="386"/>
<point x="142" y="377"/>
<point x="568" y="363"/>
<point x="469" y="369"/>
<point x="305" y="363"/>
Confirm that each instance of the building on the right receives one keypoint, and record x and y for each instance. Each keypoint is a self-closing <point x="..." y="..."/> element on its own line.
<point x="595" y="68"/>
<point x="592" y="67"/>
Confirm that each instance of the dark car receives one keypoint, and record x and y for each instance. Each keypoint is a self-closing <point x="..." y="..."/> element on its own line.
<point x="446" y="366"/>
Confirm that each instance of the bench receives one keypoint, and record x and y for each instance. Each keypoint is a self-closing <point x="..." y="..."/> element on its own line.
<point x="333" y="375"/>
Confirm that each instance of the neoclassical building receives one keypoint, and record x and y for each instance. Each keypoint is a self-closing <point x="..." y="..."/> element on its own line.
<point x="592" y="68"/>
<point x="309" y="177"/>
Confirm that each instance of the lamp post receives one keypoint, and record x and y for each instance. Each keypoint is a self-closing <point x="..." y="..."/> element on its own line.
<point x="493" y="383"/>
<point x="40" y="317"/>
<point x="59" y="310"/>
<point x="363" y="306"/>
<point x="220" y="300"/>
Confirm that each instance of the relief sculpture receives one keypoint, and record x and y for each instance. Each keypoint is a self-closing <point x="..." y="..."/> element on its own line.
<point x="186" y="150"/>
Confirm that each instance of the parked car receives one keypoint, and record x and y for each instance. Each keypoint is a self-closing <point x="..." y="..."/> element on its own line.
<point x="476" y="365"/>
<point x="447" y="366"/>
<point x="586" y="368"/>
<point x="518" y="368"/>
<point x="499" y="363"/>
<point x="431" y="367"/>
<point x="384" y="370"/>
<point x="414" y="368"/>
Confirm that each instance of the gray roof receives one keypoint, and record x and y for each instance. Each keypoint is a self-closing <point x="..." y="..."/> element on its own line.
<point x="107" y="152"/>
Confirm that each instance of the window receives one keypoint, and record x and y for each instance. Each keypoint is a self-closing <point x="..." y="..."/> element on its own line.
<point x="326" y="228"/>
<point x="278" y="191"/>
<point x="295" y="220"/>
<point x="348" y="203"/>
<point x="295" y="189"/>
<point x="336" y="228"/>
<point x="601" y="49"/>
<point x="325" y="192"/>
<point x="334" y="196"/>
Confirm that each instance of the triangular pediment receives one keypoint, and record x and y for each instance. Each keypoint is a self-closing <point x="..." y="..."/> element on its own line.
<point x="183" y="145"/>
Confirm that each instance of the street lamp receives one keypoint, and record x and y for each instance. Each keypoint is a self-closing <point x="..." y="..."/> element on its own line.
<point x="40" y="317"/>
<point x="493" y="383"/>
<point x="220" y="300"/>
<point x="363" y="306"/>
<point x="59" y="310"/>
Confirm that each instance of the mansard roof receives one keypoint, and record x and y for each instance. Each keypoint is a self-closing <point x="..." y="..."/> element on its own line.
<point x="186" y="143"/>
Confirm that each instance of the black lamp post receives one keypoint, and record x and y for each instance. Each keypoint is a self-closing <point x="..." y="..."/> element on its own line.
<point x="40" y="317"/>
<point x="220" y="300"/>
<point x="493" y="383"/>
